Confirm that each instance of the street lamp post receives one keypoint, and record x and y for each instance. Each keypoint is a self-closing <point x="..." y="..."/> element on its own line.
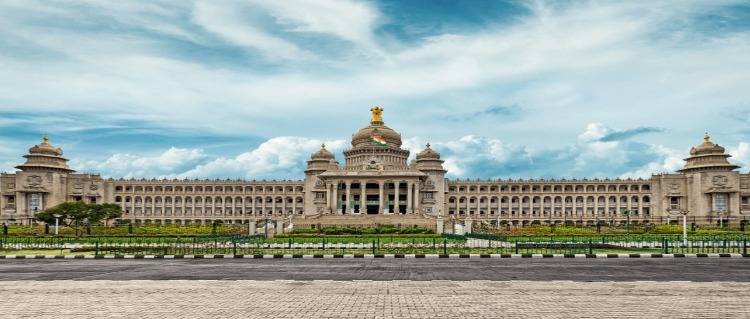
<point x="684" y="227"/>
<point x="265" y="227"/>
<point x="627" y="213"/>
<point x="549" y="218"/>
<point x="57" y="223"/>
<point x="31" y="218"/>
<point x="721" y="219"/>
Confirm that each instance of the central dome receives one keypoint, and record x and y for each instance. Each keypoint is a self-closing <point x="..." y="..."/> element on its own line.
<point x="365" y="137"/>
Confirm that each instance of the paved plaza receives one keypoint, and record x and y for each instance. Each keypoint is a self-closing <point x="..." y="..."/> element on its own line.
<point x="376" y="288"/>
<point x="373" y="299"/>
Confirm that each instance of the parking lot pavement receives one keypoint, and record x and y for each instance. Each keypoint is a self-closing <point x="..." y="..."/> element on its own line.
<point x="372" y="299"/>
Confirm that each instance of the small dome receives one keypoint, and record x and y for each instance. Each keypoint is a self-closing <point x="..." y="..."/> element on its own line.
<point x="322" y="154"/>
<point x="428" y="153"/>
<point x="45" y="157"/>
<point x="707" y="157"/>
<point x="45" y="148"/>
<point x="707" y="147"/>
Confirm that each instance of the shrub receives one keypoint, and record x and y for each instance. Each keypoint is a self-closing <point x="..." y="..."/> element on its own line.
<point x="305" y="231"/>
<point x="666" y="229"/>
<point x="416" y="230"/>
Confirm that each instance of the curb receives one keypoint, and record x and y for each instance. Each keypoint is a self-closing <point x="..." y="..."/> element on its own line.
<point x="389" y="256"/>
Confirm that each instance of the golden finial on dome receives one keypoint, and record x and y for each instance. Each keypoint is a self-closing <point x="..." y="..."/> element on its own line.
<point x="45" y="138"/>
<point x="377" y="113"/>
<point x="707" y="138"/>
<point x="323" y="146"/>
<point x="428" y="145"/>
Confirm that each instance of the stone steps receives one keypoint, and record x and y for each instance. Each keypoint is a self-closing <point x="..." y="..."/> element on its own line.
<point x="367" y="220"/>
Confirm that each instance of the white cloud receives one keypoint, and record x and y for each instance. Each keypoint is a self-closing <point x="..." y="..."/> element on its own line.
<point x="481" y="157"/>
<point x="594" y="132"/>
<point x="471" y="156"/>
<point x="167" y="164"/>
<point x="205" y="67"/>
<point x="350" y="20"/>
<point x="665" y="161"/>
<point x="741" y="155"/>
<point x="278" y="158"/>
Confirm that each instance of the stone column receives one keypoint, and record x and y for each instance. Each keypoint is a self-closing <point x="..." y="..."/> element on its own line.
<point x="439" y="228"/>
<point x="335" y="201"/>
<point x="362" y="198"/>
<point x="294" y="204"/>
<point x="618" y="207"/>
<point x="408" y="197"/>
<point x="489" y="205"/>
<point x="328" y="196"/>
<point x="251" y="227"/>
<point x="467" y="225"/>
<point x="585" y="208"/>
<point x="143" y="206"/>
<point x="395" y="200"/>
<point x="380" y="198"/>
<point x="596" y="207"/>
<point x="640" y="206"/>
<point x="41" y="202"/>
<point x="416" y="197"/>
<point x="349" y="205"/>
<point x="132" y="208"/>
<point x="174" y="205"/>
<point x="263" y="206"/>
<point x="280" y="225"/>
<point x="606" y="207"/>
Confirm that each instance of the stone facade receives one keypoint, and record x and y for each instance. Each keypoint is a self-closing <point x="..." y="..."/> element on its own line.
<point x="376" y="180"/>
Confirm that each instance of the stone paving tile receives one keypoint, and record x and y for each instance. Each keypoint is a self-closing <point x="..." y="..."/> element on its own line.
<point x="372" y="299"/>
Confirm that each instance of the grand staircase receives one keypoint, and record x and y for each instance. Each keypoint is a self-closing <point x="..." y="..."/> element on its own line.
<point x="366" y="220"/>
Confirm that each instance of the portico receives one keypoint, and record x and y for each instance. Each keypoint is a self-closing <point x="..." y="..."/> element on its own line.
<point x="365" y="193"/>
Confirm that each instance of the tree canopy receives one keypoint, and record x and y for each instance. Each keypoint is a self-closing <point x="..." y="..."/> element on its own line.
<point x="79" y="213"/>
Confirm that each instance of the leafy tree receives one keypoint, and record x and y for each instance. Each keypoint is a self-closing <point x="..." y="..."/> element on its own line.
<point x="78" y="214"/>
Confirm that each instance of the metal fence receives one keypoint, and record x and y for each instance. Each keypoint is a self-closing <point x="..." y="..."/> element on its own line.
<point x="447" y="244"/>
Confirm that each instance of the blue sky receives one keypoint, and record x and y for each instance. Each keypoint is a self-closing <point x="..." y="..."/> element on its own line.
<point x="249" y="89"/>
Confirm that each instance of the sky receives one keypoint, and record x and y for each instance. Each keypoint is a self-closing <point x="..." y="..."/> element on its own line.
<point x="249" y="89"/>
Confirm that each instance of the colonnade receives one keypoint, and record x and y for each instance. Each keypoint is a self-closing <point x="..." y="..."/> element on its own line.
<point x="548" y="206"/>
<point x="209" y="206"/>
<point x="333" y="198"/>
